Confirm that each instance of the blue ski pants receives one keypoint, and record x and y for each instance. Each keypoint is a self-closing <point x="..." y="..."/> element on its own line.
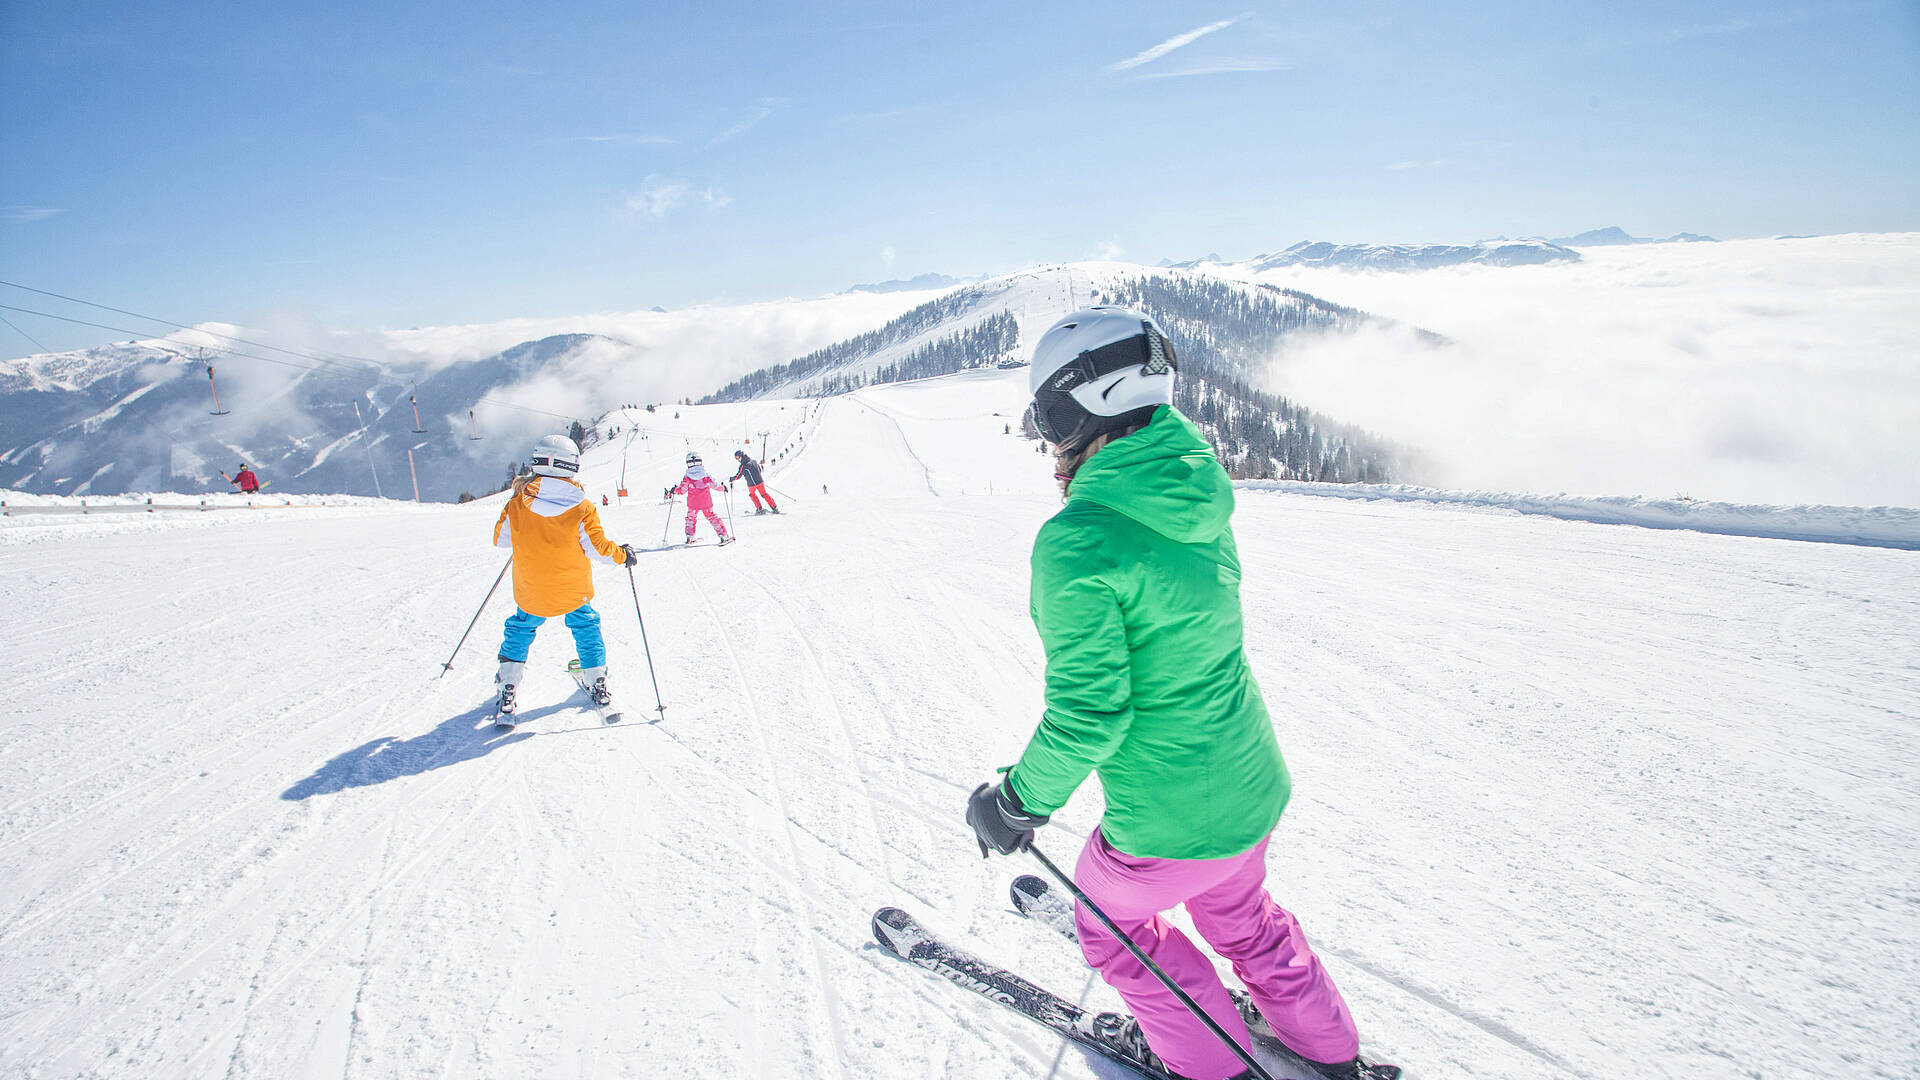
<point x="583" y="621"/>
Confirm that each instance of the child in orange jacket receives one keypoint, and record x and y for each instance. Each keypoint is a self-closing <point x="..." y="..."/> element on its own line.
<point x="554" y="533"/>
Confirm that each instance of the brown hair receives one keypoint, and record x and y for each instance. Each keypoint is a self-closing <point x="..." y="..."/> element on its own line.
<point x="1067" y="462"/>
<point x="520" y="483"/>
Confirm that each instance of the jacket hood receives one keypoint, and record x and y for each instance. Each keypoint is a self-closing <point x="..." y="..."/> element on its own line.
<point x="1163" y="476"/>
<point x="696" y="471"/>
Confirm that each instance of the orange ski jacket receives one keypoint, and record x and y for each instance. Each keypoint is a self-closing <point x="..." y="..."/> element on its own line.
<point x="555" y="536"/>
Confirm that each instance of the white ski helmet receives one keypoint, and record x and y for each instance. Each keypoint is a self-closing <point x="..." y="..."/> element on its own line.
<point x="693" y="458"/>
<point x="1099" y="370"/>
<point x="555" y="455"/>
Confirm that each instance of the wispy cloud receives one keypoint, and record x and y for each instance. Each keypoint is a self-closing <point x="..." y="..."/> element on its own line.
<point x="630" y="140"/>
<point x="1177" y="41"/>
<point x="762" y="109"/>
<point x="1216" y="67"/>
<point x="659" y="196"/>
<point x="1739" y="24"/>
<point x="24" y="215"/>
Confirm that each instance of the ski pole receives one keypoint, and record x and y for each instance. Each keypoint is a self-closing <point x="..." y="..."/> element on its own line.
<point x="448" y="666"/>
<point x="660" y="706"/>
<point x="729" y="507"/>
<point x="780" y="493"/>
<point x="1193" y="1007"/>
<point x="668" y="527"/>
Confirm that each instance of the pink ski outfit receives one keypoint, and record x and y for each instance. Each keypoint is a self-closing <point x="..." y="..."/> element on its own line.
<point x="699" y="487"/>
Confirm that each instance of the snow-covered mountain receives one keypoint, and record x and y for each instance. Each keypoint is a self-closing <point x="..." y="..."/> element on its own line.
<point x="137" y="416"/>
<point x="1223" y="331"/>
<point x="1404" y="257"/>
<point x="1614" y="235"/>
<point x="917" y="283"/>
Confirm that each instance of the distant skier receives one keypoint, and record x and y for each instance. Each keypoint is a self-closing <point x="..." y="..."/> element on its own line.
<point x="1136" y="596"/>
<point x="245" y="480"/>
<point x="555" y="535"/>
<point x="698" y="487"/>
<point x="756" y="486"/>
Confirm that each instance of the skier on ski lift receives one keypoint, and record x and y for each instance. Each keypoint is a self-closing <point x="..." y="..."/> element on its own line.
<point x="554" y="533"/>
<point x="698" y="487"/>
<point x="1136" y="597"/>
<point x="756" y="485"/>
<point x="245" y="480"/>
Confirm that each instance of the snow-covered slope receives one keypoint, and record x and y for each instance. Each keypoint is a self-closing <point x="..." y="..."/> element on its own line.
<point x="1572" y="800"/>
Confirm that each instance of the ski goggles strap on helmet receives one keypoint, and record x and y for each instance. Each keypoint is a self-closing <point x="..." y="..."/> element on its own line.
<point x="1059" y="415"/>
<point x="542" y="461"/>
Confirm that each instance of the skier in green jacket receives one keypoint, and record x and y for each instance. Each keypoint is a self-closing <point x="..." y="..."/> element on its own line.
<point x="1136" y="594"/>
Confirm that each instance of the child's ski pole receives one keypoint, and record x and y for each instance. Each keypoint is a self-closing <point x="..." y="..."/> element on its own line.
<point x="448" y="666"/>
<point x="660" y="706"/>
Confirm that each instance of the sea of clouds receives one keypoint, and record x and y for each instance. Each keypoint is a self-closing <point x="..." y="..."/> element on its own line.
<point x="1781" y="371"/>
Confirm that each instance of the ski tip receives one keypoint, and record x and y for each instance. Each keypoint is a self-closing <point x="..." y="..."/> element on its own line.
<point x="1026" y="889"/>
<point x="895" y="930"/>
<point x="614" y="718"/>
<point x="503" y="725"/>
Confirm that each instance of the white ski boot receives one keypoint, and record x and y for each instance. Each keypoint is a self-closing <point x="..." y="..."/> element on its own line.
<point x="508" y="679"/>
<point x="594" y="681"/>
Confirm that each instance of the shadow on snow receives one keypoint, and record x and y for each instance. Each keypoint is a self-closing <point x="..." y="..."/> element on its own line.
<point x="457" y="739"/>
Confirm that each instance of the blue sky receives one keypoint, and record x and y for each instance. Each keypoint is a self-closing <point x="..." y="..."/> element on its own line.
<point x="413" y="164"/>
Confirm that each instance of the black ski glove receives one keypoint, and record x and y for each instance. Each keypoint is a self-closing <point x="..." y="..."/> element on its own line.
<point x="631" y="554"/>
<point x="999" y="821"/>
<point x="667" y="493"/>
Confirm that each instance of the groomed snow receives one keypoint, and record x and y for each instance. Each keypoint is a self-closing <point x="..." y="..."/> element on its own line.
<point x="1572" y="800"/>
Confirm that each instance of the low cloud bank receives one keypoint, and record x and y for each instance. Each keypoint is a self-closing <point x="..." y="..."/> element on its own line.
<point x="1761" y="371"/>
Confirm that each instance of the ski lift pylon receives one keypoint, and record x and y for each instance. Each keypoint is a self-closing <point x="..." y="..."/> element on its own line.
<point x="474" y="426"/>
<point x="417" y="429"/>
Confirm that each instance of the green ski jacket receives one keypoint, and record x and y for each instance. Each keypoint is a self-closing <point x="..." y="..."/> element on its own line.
<point x="1136" y="593"/>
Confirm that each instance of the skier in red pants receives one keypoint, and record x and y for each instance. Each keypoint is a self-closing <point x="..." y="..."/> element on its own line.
<point x="698" y="487"/>
<point x="756" y="485"/>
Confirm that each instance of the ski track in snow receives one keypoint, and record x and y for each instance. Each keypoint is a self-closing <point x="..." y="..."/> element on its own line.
<point x="1571" y="800"/>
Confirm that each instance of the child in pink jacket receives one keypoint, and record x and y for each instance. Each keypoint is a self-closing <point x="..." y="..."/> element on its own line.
<point x="698" y="487"/>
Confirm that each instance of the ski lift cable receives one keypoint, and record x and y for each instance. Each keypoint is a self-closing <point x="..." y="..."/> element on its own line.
<point x="220" y="350"/>
<point x="229" y="351"/>
<point x="24" y="334"/>
<point x="373" y="364"/>
<point x="183" y="326"/>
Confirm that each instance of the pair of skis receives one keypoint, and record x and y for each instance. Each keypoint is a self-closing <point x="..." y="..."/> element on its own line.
<point x="609" y="714"/>
<point x="903" y="935"/>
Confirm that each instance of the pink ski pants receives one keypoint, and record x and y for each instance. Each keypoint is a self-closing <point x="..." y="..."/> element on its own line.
<point x="693" y="514"/>
<point x="1228" y="901"/>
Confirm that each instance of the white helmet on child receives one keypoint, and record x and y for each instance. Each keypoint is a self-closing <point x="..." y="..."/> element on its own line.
<point x="555" y="455"/>
<point x="1098" y="370"/>
<point x="693" y="458"/>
